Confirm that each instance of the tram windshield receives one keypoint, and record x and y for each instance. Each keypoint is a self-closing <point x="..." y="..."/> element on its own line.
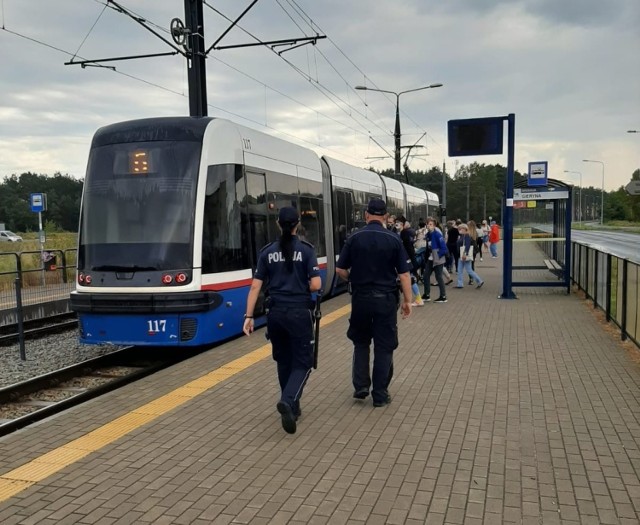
<point x="138" y="206"/>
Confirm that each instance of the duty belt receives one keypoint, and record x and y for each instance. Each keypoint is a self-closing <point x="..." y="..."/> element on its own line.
<point x="373" y="293"/>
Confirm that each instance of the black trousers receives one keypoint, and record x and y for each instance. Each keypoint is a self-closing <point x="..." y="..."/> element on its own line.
<point x="439" y="278"/>
<point x="373" y="317"/>
<point x="291" y="334"/>
<point x="454" y="255"/>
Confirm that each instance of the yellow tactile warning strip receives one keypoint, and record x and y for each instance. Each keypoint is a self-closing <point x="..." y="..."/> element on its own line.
<point x="23" y="477"/>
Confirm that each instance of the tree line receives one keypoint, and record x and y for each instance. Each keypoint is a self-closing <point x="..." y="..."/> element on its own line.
<point x="64" y="194"/>
<point x="475" y="191"/>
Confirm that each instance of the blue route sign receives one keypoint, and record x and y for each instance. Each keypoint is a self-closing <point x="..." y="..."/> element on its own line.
<point x="538" y="173"/>
<point x="38" y="202"/>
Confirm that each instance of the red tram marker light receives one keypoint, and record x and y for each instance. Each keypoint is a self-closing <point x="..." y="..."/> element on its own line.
<point x="87" y="280"/>
<point x="81" y="278"/>
<point x="167" y="279"/>
<point x="181" y="278"/>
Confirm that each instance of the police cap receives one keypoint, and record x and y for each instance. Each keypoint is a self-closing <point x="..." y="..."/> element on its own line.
<point x="377" y="207"/>
<point x="288" y="216"/>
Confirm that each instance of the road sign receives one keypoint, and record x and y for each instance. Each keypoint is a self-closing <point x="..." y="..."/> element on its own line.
<point x="38" y="202"/>
<point x="633" y="188"/>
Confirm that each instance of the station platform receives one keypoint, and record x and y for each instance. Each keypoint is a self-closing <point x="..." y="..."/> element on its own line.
<point x="503" y="411"/>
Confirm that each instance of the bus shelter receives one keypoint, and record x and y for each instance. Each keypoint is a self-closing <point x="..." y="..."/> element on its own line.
<point x="542" y="235"/>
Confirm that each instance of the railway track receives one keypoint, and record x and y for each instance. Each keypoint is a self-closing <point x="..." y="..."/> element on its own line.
<point x="9" y="334"/>
<point x="24" y="403"/>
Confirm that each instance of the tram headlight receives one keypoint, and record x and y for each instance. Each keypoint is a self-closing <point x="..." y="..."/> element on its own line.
<point x="167" y="279"/>
<point x="181" y="278"/>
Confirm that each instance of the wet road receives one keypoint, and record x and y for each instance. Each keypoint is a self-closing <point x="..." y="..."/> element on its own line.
<point x="620" y="244"/>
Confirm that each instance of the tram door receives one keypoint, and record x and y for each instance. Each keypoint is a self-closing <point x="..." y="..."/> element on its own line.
<point x="257" y="211"/>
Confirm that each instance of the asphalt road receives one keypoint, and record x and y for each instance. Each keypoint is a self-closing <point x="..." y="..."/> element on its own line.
<point x="620" y="244"/>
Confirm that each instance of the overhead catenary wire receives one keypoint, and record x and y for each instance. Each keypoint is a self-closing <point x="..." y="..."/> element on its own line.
<point x="323" y="89"/>
<point x="172" y="91"/>
<point x="281" y="93"/>
<point x="318" y="85"/>
<point x="329" y="94"/>
<point x="89" y="32"/>
<point x="316" y="28"/>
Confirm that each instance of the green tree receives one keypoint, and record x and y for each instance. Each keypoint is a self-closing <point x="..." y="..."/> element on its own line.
<point x="63" y="201"/>
<point x="617" y="206"/>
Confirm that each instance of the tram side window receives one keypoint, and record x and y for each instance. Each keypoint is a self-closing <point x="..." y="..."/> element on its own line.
<point x="256" y="204"/>
<point x="310" y="223"/>
<point x="361" y="199"/>
<point x="222" y="246"/>
<point x="276" y="202"/>
<point x="343" y="218"/>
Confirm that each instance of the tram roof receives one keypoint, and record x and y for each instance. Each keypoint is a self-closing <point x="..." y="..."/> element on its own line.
<point x="353" y="173"/>
<point x="414" y="194"/>
<point x="189" y="129"/>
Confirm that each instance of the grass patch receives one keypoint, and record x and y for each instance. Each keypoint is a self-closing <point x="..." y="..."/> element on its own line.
<point x="11" y="252"/>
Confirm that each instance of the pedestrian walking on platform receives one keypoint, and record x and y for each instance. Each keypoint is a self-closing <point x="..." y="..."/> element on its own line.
<point x="289" y="266"/>
<point x="474" y="234"/>
<point x="494" y="239"/>
<point x="372" y="260"/>
<point x="452" y="246"/>
<point x="435" y="262"/>
<point x="408" y="236"/>
<point x="466" y="247"/>
<point x="485" y="228"/>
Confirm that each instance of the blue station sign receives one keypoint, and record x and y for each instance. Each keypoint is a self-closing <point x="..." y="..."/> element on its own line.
<point x="38" y="202"/>
<point x="538" y="173"/>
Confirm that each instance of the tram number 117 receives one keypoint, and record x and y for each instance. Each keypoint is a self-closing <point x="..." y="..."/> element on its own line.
<point x="156" y="326"/>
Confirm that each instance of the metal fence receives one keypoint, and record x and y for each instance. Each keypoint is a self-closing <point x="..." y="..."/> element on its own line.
<point x="31" y="279"/>
<point x="612" y="283"/>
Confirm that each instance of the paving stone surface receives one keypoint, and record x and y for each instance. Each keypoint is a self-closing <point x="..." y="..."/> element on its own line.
<point x="504" y="411"/>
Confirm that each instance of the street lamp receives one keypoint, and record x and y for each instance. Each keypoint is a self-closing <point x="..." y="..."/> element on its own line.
<point x="396" y="133"/>
<point x="580" y="208"/>
<point x="602" y="195"/>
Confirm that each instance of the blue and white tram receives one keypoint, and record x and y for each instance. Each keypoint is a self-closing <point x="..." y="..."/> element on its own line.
<point x="433" y="204"/>
<point x="175" y="210"/>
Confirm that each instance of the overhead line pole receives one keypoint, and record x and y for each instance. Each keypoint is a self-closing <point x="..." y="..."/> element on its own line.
<point x="396" y="133"/>
<point x="190" y="36"/>
<point x="197" y="74"/>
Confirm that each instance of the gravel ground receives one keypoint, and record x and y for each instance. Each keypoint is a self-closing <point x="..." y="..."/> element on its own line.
<point x="44" y="355"/>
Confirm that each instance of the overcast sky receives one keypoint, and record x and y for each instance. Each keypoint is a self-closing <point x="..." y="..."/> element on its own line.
<point x="568" y="69"/>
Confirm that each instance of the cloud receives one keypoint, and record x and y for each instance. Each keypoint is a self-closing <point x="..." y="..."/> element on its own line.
<point x="568" y="70"/>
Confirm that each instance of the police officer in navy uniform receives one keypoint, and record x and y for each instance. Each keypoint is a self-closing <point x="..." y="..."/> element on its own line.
<point x="372" y="260"/>
<point x="290" y="268"/>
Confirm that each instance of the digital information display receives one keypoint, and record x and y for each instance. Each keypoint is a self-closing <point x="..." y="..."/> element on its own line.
<point x="475" y="136"/>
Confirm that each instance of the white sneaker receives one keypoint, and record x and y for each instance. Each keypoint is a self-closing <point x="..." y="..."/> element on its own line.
<point x="417" y="304"/>
<point x="481" y="259"/>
